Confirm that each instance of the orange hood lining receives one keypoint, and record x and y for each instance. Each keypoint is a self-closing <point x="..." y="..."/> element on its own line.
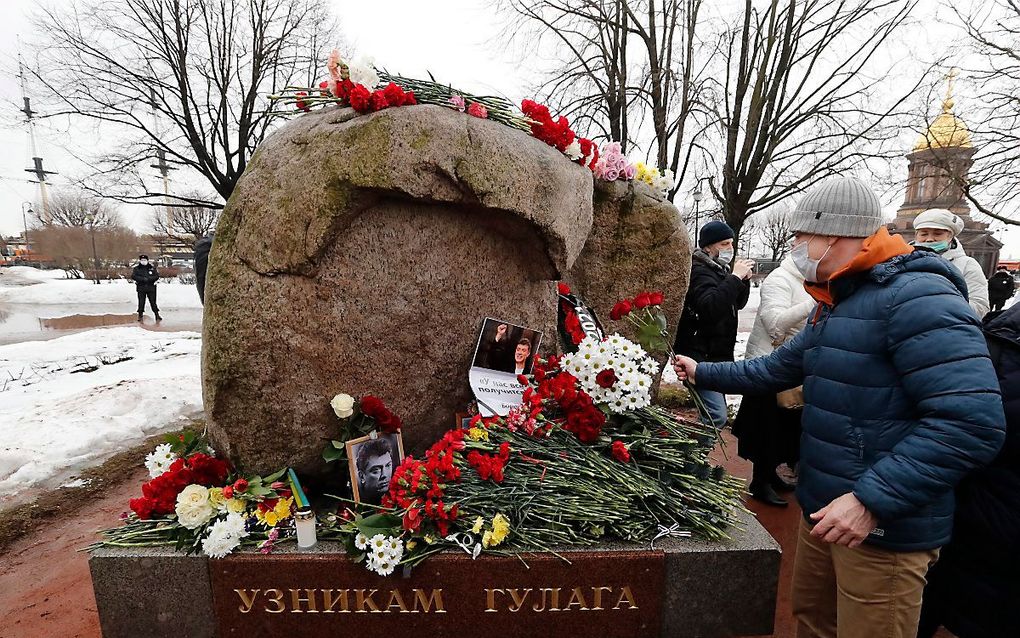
<point x="879" y="247"/>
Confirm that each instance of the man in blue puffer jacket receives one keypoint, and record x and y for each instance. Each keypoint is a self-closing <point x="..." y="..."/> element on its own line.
<point x="901" y="402"/>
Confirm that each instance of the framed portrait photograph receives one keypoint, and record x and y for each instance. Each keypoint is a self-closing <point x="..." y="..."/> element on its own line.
<point x="371" y="462"/>
<point x="506" y="347"/>
<point x="462" y="419"/>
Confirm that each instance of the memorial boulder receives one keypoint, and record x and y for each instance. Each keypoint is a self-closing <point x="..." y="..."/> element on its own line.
<point x="358" y="254"/>
<point x="637" y="242"/>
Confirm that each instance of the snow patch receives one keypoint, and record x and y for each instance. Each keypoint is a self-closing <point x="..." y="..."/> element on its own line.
<point x="19" y="288"/>
<point x="73" y="401"/>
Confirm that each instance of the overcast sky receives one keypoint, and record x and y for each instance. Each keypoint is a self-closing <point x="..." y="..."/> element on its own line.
<point x="457" y="40"/>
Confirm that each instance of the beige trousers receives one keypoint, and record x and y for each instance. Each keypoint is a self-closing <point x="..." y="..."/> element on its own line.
<point x="857" y="593"/>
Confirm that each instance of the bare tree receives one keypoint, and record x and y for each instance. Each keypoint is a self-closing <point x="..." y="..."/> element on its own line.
<point x="78" y="209"/>
<point x="799" y="99"/>
<point x="71" y="248"/>
<point x="184" y="80"/>
<point x="629" y="66"/>
<point x="993" y="39"/>
<point x="774" y="231"/>
<point x="186" y="223"/>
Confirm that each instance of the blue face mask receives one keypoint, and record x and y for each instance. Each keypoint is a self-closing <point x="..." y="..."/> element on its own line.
<point x="936" y="246"/>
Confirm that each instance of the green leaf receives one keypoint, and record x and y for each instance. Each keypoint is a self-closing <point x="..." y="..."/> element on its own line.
<point x="330" y="453"/>
<point x="649" y="335"/>
<point x="275" y="476"/>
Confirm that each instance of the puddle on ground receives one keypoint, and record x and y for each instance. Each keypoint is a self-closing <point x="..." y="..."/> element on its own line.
<point x="30" y="322"/>
<point x="84" y="322"/>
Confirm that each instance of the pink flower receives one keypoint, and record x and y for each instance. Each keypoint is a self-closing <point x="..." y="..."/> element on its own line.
<point x="478" y="110"/>
<point x="629" y="171"/>
<point x="612" y="175"/>
<point x="334" y="66"/>
<point x="457" y="102"/>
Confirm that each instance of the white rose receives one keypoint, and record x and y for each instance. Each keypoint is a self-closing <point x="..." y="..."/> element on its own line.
<point x="343" y="405"/>
<point x="193" y="506"/>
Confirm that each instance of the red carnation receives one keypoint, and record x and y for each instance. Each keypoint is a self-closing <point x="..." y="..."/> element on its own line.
<point x="360" y="98"/>
<point x="344" y="88"/>
<point x="620" y="310"/>
<point x="656" y="298"/>
<point x="228" y="492"/>
<point x="572" y="324"/>
<point x="620" y="452"/>
<point x="409" y="99"/>
<point x="642" y="300"/>
<point x="143" y="507"/>
<point x="563" y="288"/>
<point x="240" y="485"/>
<point x="394" y="94"/>
<point x="478" y="110"/>
<point x="207" y="470"/>
<point x="523" y="380"/>
<point x="378" y="101"/>
<point x="606" y="379"/>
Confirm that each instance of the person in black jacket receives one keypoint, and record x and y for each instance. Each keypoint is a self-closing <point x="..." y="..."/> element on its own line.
<point x="202" y="248"/>
<point x="1001" y="287"/>
<point x="974" y="590"/>
<point x="145" y="277"/>
<point x="708" y="324"/>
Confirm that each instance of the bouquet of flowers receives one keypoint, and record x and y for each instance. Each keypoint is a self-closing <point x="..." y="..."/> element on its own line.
<point x="196" y="502"/>
<point x="358" y="418"/>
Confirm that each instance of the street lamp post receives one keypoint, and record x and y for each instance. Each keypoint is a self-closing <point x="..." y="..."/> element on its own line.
<point x="95" y="256"/>
<point x="698" y="196"/>
<point x="24" y="220"/>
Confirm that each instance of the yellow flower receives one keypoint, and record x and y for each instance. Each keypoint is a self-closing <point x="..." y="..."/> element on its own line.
<point x="477" y="527"/>
<point x="500" y="528"/>
<point x="216" y="497"/>
<point x="487" y="539"/>
<point x="478" y="434"/>
<point x="235" y="505"/>
<point x="411" y="545"/>
<point x="429" y="539"/>
<point x="282" y="509"/>
<point x="274" y="516"/>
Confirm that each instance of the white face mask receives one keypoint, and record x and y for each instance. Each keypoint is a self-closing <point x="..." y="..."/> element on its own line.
<point x="725" y="255"/>
<point x="802" y="260"/>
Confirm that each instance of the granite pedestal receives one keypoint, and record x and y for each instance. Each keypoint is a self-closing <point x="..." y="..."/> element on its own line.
<point x="681" y="588"/>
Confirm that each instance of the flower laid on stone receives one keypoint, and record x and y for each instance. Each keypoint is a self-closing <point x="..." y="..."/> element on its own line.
<point x="617" y="373"/>
<point x="359" y="417"/>
<point x="383" y="554"/>
<point x="661" y="183"/>
<point x="613" y="164"/>
<point x="224" y="536"/>
<point x="478" y="110"/>
<point x="457" y="102"/>
<point x="557" y="133"/>
<point x="158" y="461"/>
<point x="343" y="405"/>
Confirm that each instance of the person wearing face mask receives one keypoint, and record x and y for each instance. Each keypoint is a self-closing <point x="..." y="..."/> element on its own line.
<point x="901" y="401"/>
<point x="708" y="324"/>
<point x="936" y="230"/>
<point x="145" y="277"/>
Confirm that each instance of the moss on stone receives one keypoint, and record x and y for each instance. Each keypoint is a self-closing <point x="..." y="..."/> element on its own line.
<point x="421" y="140"/>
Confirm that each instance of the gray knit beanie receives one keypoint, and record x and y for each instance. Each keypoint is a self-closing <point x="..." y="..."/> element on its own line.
<point x="840" y="207"/>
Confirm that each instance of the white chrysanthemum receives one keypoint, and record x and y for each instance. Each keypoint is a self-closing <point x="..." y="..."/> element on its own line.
<point x="361" y="541"/>
<point x="159" y="460"/>
<point x="377" y="542"/>
<point x="224" y="536"/>
<point x="381" y="554"/>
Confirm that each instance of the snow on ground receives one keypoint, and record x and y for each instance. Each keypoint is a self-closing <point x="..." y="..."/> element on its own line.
<point x="21" y="285"/>
<point x="73" y="401"/>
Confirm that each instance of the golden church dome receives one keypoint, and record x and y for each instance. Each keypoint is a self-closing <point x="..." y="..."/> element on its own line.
<point x="947" y="131"/>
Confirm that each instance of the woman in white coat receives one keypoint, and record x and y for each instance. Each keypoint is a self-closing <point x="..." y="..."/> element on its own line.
<point x="936" y="229"/>
<point x="767" y="433"/>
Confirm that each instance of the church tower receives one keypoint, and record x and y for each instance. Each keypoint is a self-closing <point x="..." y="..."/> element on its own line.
<point x="937" y="166"/>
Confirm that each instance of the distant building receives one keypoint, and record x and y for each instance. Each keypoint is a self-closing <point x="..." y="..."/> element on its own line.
<point x="938" y="164"/>
<point x="168" y="250"/>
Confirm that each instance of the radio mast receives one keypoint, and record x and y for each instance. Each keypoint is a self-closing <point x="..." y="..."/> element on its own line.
<point x="37" y="169"/>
